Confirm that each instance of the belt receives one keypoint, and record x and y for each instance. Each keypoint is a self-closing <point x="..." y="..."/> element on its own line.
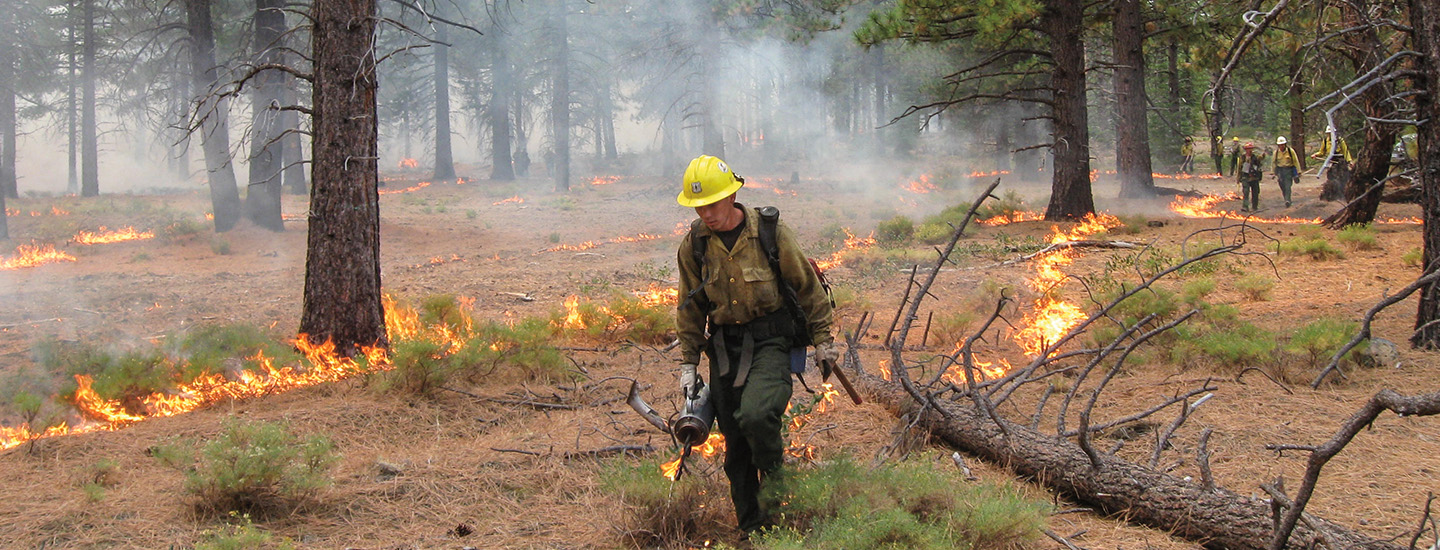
<point x="771" y="325"/>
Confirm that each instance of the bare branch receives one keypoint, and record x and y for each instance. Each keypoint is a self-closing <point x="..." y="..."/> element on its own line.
<point x="1369" y="317"/>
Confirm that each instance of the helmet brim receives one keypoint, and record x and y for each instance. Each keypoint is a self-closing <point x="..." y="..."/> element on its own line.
<point x="688" y="200"/>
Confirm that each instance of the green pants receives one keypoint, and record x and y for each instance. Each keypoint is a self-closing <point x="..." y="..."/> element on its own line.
<point x="750" y="419"/>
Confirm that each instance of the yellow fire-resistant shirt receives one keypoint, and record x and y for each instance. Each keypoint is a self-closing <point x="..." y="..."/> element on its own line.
<point x="1344" y="150"/>
<point x="1285" y="156"/>
<point x="741" y="286"/>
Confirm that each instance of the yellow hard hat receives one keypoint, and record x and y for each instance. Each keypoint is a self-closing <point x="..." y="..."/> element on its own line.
<point x="707" y="180"/>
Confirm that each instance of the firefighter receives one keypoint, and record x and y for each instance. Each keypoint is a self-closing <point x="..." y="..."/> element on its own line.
<point x="1340" y="164"/>
<point x="1286" y="167"/>
<point x="1248" y="176"/>
<point x="727" y="283"/>
<point x="1187" y="155"/>
<point x="1234" y="151"/>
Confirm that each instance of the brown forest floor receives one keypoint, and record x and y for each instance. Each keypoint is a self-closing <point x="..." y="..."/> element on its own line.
<point x="457" y="452"/>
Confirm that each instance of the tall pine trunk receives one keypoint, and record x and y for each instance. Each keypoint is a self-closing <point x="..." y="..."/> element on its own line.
<point x="7" y="111"/>
<point x="1295" y="99"/>
<point x="293" y="149"/>
<point x="342" y="301"/>
<point x="1070" y="196"/>
<point x="1425" y="19"/>
<point x="560" y="99"/>
<point x="1172" y="85"/>
<point x="211" y="114"/>
<point x="262" y="196"/>
<point x="1132" y="127"/>
<point x="1372" y="165"/>
<point x="444" y="159"/>
<point x="501" y="167"/>
<point x="89" y="135"/>
<point x="607" y="118"/>
<point x="72" y="137"/>
<point x="521" y="159"/>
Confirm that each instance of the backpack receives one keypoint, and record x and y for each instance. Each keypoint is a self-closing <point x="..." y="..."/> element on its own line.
<point x="769" y="242"/>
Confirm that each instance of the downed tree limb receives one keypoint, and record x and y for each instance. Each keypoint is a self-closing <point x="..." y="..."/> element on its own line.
<point x="1060" y="246"/>
<point x="1220" y="518"/>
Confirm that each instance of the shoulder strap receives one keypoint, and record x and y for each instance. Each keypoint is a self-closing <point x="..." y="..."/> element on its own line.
<point x="698" y="246"/>
<point x="769" y="240"/>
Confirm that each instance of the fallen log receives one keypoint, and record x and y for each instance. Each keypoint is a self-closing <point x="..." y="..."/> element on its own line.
<point x="1217" y="518"/>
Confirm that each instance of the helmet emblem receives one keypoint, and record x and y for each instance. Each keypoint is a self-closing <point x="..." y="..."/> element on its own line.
<point x="695" y="187"/>
<point x="722" y="167"/>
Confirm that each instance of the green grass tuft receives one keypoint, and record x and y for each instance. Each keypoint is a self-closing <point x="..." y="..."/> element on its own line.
<point x="1358" y="237"/>
<point x="895" y="231"/>
<point x="253" y="467"/>
<point x="1318" y="340"/>
<point x="1317" y="248"/>
<point x="1255" y="287"/>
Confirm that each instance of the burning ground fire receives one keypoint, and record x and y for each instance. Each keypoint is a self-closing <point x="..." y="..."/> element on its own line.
<point x="920" y="185"/>
<point x="54" y="211"/>
<point x="604" y="180"/>
<point x="1204" y="207"/>
<point x="1052" y="317"/>
<point x="852" y="243"/>
<point x="321" y="365"/>
<point x="657" y="295"/>
<point x="410" y="189"/>
<point x="512" y="200"/>
<point x="31" y="255"/>
<point x="797" y="448"/>
<point x="587" y="245"/>
<point x="409" y="163"/>
<point x="101" y="236"/>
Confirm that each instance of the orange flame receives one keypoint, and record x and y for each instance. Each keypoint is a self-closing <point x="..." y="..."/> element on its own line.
<point x="409" y="163"/>
<point x="712" y="445"/>
<point x="57" y="211"/>
<point x="604" y="180"/>
<point x="852" y="243"/>
<point x="587" y="245"/>
<point x="101" y="236"/>
<point x="760" y="183"/>
<point x="515" y="199"/>
<point x="681" y="228"/>
<point x="410" y="189"/>
<point x="1204" y="207"/>
<point x="322" y="365"/>
<point x="671" y="470"/>
<point x="35" y="255"/>
<point x="920" y="185"/>
<point x="1052" y="317"/>
<point x="1014" y="217"/>
<point x="990" y="174"/>
<point x="657" y="295"/>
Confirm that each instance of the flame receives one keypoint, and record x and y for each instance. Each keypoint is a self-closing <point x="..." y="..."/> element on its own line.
<point x="885" y="371"/>
<point x="920" y="185"/>
<point x="657" y="295"/>
<point x="671" y="470"/>
<point x="712" y="445"/>
<point x="410" y="189"/>
<point x="209" y="216"/>
<point x="1204" y="207"/>
<point x="761" y="183"/>
<point x="992" y="173"/>
<point x="1052" y="317"/>
<point x="409" y="163"/>
<point x="515" y="199"/>
<point x="681" y="228"/>
<point x="604" y="180"/>
<point x="101" y="236"/>
<point x="1014" y="217"/>
<point x="321" y="364"/>
<point x="587" y="245"/>
<point x="57" y="211"/>
<point x="852" y="243"/>
<point x="35" y="255"/>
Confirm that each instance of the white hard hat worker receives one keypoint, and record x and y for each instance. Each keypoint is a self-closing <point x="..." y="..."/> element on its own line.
<point x="1329" y="129"/>
<point x="709" y="186"/>
<point x="1281" y="140"/>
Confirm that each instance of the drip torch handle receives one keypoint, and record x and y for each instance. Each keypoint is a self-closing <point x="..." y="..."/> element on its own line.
<point x="844" y="381"/>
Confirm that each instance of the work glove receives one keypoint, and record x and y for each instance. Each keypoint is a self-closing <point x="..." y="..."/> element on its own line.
<point x="826" y="355"/>
<point x="688" y="378"/>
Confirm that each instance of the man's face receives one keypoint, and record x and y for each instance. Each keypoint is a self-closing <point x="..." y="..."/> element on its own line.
<point x="718" y="215"/>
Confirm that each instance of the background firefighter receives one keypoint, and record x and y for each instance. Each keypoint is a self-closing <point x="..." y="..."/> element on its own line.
<point x="1286" y="167"/>
<point x="733" y="291"/>
<point x="1340" y="163"/>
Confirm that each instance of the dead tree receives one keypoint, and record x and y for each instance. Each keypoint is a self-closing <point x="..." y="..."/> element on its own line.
<point x="964" y="411"/>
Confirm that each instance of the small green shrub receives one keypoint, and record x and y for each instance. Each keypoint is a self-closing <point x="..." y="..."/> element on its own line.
<point x="525" y="347"/>
<point x="1008" y="205"/>
<point x="951" y="328"/>
<point x="848" y="298"/>
<point x="207" y="348"/>
<point x="1255" y="287"/>
<point x="1320" y="339"/>
<point x="640" y="322"/>
<point x="98" y="477"/>
<point x="444" y="310"/>
<point x="843" y="505"/>
<point x="1317" y="248"/>
<point x="140" y="257"/>
<point x="254" y="467"/>
<point x="934" y="233"/>
<point x="894" y="231"/>
<point x="184" y="227"/>
<point x="134" y="375"/>
<point x="554" y="238"/>
<point x="471" y="214"/>
<point x="220" y="246"/>
<point x="1194" y="291"/>
<point x="419" y="367"/>
<point x="1413" y="257"/>
<point x="1230" y="348"/>
<point x="241" y="534"/>
<point x="1358" y="237"/>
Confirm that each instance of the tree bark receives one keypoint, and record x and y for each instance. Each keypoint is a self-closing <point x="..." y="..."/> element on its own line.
<point x="1070" y="196"/>
<point x="342" y="301"/>
<point x="1132" y="126"/>
<point x="1220" y="518"/>
<point x="89" y="139"/>
<point x="1172" y="81"/>
<point x="1425" y="19"/>
<point x="1295" y="99"/>
<point x="72" y="138"/>
<point x="607" y="118"/>
<point x="291" y="144"/>
<point x="499" y="109"/>
<point x="522" y="141"/>
<point x="211" y="114"/>
<point x="7" y="110"/>
<point x="262" y="195"/>
<point x="1373" y="163"/>
<point x="560" y="100"/>
<point x="444" y="159"/>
